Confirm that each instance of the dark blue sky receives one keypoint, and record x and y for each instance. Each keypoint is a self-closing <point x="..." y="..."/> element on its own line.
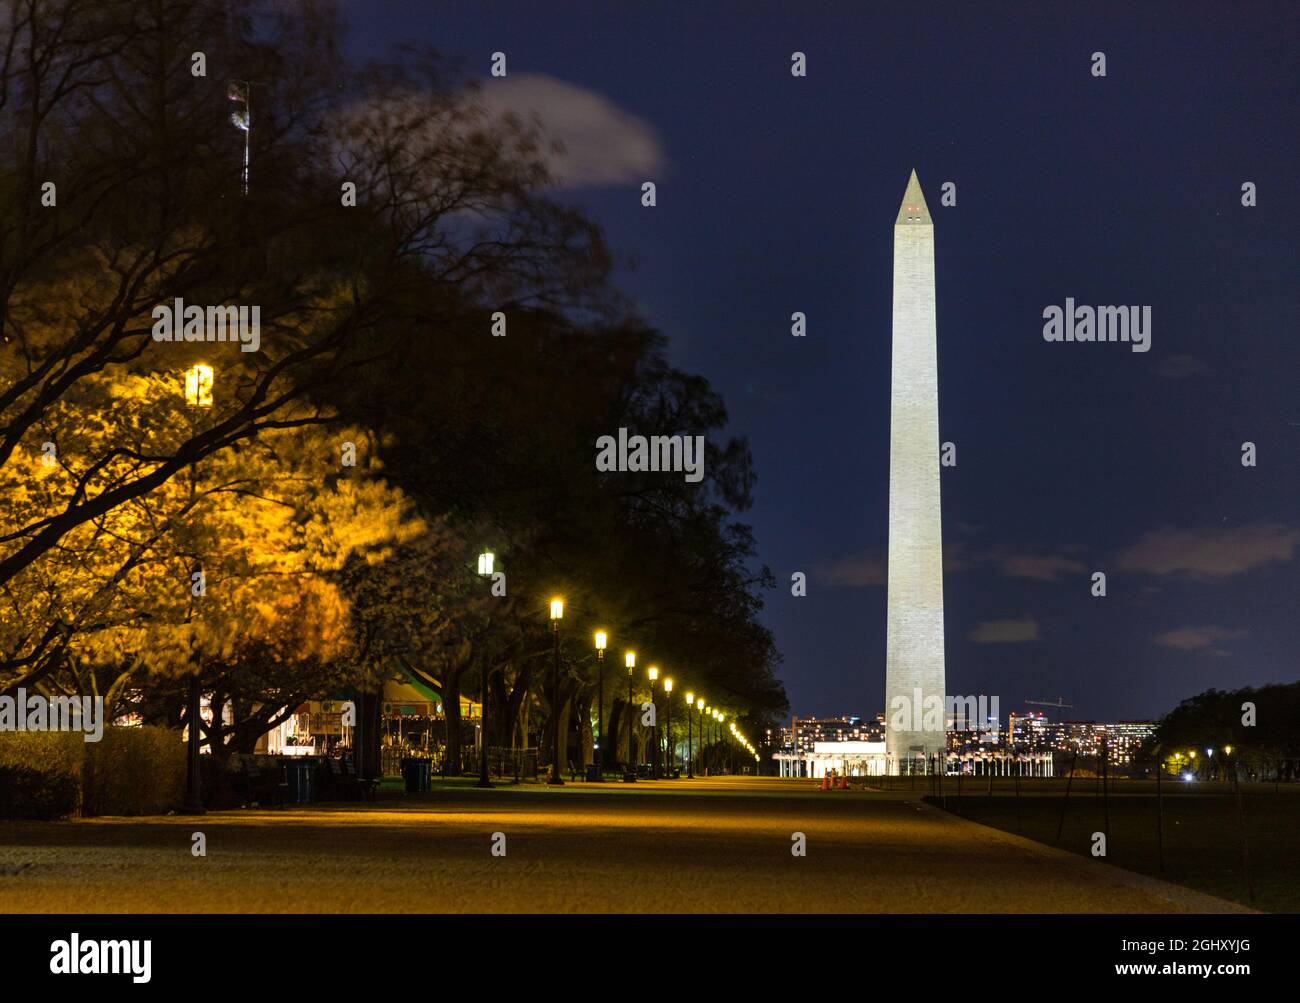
<point x="779" y="194"/>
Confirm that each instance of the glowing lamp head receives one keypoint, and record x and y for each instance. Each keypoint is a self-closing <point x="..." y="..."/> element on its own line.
<point x="690" y="698"/>
<point x="1227" y="750"/>
<point x="668" y="684"/>
<point x="198" y="386"/>
<point x="557" y="609"/>
<point x="600" y="640"/>
<point x="653" y="672"/>
<point x="485" y="562"/>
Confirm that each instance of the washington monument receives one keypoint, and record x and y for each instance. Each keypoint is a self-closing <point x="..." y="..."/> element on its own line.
<point x="914" y="630"/>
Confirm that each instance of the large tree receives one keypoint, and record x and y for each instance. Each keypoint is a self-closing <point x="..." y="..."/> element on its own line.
<point x="123" y="108"/>
<point x="234" y="568"/>
<point x="387" y="222"/>
<point x="503" y="431"/>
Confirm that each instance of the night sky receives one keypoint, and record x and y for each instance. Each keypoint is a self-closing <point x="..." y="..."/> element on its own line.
<point x="778" y="194"/>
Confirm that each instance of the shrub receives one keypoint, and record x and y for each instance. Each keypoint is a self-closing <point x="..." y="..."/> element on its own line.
<point x="130" y="771"/>
<point x="40" y="774"/>
<point x="134" y="771"/>
<point x="30" y="793"/>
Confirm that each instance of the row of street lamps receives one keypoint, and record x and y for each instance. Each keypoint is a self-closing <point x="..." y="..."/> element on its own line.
<point x="693" y="703"/>
<point x="198" y="385"/>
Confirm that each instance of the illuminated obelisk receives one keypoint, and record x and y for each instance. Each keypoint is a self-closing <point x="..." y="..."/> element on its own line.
<point x="914" y="630"/>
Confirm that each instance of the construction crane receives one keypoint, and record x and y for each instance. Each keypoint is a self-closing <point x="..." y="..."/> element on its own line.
<point x="1044" y="703"/>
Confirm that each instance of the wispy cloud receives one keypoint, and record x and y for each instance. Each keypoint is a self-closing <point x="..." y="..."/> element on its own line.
<point x="1197" y="638"/>
<point x="1210" y="554"/>
<point x="595" y="141"/>
<point x="1040" y="567"/>
<point x="1178" y="367"/>
<point x="870" y="568"/>
<point x="1005" y="631"/>
<point x="861" y="569"/>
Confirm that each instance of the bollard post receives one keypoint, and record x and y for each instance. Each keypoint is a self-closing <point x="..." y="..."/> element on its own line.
<point x="1066" y="803"/>
<point x="1105" y="788"/>
<point x="1241" y="827"/>
<point x="1019" y="821"/>
<point x="1160" y="814"/>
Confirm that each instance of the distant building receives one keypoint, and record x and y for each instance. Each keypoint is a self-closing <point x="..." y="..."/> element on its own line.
<point x="1033" y="734"/>
<point x="809" y="747"/>
<point x="805" y="732"/>
<point x="1123" y="738"/>
<point x="845" y="759"/>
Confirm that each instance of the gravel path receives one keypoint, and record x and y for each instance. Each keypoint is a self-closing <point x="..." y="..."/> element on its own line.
<point x="716" y="845"/>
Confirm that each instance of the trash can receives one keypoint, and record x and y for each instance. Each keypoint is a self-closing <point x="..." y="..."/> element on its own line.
<point x="593" y="773"/>
<point x="297" y="774"/>
<point x="418" y="774"/>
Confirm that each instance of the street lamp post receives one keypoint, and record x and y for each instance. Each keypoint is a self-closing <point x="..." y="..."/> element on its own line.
<point x="690" y="703"/>
<point x="653" y="672"/>
<point x="703" y="764"/>
<point x="557" y="614"/>
<point x="629" y="660"/>
<point x="198" y="394"/>
<point x="716" y="739"/>
<point x="706" y="717"/>
<point x="601" y="638"/>
<point x="485" y="563"/>
<point x="669" y="754"/>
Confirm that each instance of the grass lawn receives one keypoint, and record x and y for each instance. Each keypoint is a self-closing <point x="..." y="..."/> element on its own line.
<point x="1202" y="830"/>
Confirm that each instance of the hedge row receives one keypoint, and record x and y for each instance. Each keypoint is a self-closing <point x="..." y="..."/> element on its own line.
<point x="130" y="771"/>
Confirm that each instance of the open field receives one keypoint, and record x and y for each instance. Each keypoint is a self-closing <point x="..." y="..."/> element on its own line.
<point x="1203" y="830"/>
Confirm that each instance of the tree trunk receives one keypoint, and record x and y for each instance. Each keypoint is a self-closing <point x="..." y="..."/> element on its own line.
<point x="451" y="714"/>
<point x="516" y="708"/>
<point x="369" y="754"/>
<point x="566" y="704"/>
<point x="586" y="736"/>
<point x="622" y="738"/>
